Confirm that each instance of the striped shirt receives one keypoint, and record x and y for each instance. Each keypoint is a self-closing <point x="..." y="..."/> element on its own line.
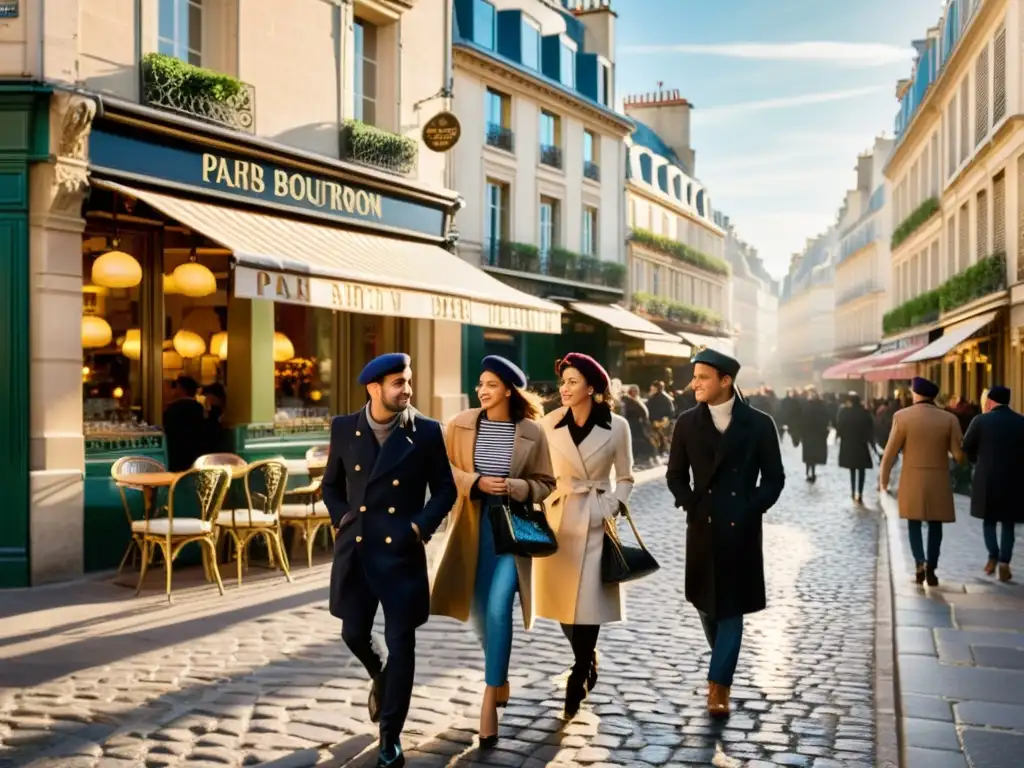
<point x="492" y="455"/>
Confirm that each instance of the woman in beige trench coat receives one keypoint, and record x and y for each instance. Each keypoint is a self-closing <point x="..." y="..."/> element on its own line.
<point x="496" y="451"/>
<point x="588" y="445"/>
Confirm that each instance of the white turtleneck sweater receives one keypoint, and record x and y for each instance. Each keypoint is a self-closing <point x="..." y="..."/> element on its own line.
<point x="721" y="414"/>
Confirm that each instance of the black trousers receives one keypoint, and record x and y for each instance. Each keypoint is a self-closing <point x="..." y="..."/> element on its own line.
<point x="357" y="632"/>
<point x="857" y="477"/>
<point x="583" y="640"/>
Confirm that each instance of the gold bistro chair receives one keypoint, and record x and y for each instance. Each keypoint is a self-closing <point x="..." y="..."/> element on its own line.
<point x="265" y="483"/>
<point x="121" y="472"/>
<point x="300" y="508"/>
<point x="198" y="490"/>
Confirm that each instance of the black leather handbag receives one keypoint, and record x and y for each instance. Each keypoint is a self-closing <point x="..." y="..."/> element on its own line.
<point x="623" y="562"/>
<point x="521" y="529"/>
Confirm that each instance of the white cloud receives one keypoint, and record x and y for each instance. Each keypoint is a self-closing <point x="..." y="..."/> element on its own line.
<point x="840" y="53"/>
<point x="786" y="102"/>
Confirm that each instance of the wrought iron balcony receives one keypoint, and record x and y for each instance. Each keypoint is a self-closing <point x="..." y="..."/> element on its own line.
<point x="551" y="155"/>
<point x="558" y="262"/>
<point x="591" y="170"/>
<point x="377" y="148"/>
<point x="500" y="137"/>
<point x="174" y="85"/>
<point x="855" y="292"/>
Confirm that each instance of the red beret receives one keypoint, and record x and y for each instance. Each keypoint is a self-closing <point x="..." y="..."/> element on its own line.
<point x="592" y="371"/>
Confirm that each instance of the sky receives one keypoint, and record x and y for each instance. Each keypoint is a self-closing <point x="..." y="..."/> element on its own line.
<point x="786" y="94"/>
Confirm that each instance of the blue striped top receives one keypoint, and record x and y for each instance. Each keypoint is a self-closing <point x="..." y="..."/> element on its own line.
<point x="492" y="454"/>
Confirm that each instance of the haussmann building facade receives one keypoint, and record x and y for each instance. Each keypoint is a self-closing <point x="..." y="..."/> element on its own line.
<point x="188" y="190"/>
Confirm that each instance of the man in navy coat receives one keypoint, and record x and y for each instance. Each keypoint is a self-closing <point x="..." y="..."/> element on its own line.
<point x="383" y="458"/>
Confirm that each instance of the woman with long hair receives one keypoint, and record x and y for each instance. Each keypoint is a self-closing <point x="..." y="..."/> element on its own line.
<point x="589" y="445"/>
<point x="497" y="451"/>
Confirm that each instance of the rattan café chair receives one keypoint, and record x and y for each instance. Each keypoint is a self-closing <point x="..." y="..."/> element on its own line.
<point x="300" y="508"/>
<point x="121" y="472"/>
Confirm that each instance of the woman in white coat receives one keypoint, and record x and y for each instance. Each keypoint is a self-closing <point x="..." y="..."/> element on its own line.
<point x="588" y="445"/>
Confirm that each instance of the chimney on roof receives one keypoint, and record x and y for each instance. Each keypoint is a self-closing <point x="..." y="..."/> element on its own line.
<point x="667" y="113"/>
<point x="865" y="164"/>
<point x="598" y="20"/>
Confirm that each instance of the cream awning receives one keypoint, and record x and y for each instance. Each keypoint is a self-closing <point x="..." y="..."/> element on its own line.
<point x="717" y="343"/>
<point x="299" y="262"/>
<point x="951" y="338"/>
<point x="655" y="340"/>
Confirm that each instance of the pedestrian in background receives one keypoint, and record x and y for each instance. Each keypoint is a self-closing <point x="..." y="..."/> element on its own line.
<point x="927" y="435"/>
<point x="498" y="451"/>
<point x="382" y="460"/>
<point x="995" y="444"/>
<point x="589" y="445"/>
<point x="727" y="445"/>
<point x="815" y="423"/>
<point x="855" y="431"/>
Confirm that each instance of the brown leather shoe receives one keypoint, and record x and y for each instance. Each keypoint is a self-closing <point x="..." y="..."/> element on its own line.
<point x="990" y="566"/>
<point x="718" y="700"/>
<point x="1004" y="572"/>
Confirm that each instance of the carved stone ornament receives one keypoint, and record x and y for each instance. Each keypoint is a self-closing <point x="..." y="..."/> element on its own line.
<point x="77" y="113"/>
<point x="70" y="181"/>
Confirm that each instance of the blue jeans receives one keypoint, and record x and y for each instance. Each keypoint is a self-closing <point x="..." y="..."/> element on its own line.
<point x="725" y="637"/>
<point x="493" y="599"/>
<point x="917" y="542"/>
<point x="1000" y="549"/>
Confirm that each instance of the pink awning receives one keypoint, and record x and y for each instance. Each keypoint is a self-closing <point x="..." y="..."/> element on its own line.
<point x="892" y="368"/>
<point x="864" y="367"/>
<point x="846" y="369"/>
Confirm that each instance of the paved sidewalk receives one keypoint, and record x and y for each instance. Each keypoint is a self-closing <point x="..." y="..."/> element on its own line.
<point x="959" y="653"/>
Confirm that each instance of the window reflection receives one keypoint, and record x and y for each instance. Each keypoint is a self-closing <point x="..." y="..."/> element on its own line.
<point x="531" y="45"/>
<point x="483" y="24"/>
<point x="303" y="365"/>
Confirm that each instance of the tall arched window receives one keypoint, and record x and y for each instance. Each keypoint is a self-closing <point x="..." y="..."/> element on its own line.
<point x="663" y="178"/>
<point x="645" y="169"/>
<point x="700" y="202"/>
<point x="677" y="187"/>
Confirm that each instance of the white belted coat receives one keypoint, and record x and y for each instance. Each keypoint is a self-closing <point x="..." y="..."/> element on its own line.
<point x="567" y="585"/>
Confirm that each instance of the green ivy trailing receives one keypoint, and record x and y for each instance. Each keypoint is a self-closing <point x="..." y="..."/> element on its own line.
<point x="162" y="73"/>
<point x="985" y="277"/>
<point x="666" y="309"/>
<point x="373" y="146"/>
<point x="915" y="220"/>
<point x="562" y="263"/>
<point x="678" y="250"/>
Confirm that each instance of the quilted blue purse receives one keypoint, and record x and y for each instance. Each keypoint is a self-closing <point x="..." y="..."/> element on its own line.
<point x="521" y="529"/>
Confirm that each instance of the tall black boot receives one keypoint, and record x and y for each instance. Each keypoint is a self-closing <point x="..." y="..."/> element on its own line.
<point x="583" y="639"/>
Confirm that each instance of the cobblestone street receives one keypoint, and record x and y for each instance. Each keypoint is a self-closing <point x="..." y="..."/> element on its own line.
<point x="261" y="676"/>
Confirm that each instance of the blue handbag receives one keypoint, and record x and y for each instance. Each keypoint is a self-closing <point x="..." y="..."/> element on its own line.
<point x="521" y="529"/>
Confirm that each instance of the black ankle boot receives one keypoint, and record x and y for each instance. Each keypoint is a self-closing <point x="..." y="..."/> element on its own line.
<point x="592" y="674"/>
<point x="930" y="577"/>
<point x="575" y="694"/>
<point x="390" y="754"/>
<point x="920" y="574"/>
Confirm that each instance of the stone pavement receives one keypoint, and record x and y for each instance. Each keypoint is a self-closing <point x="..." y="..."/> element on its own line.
<point x="260" y="677"/>
<point x="960" y="652"/>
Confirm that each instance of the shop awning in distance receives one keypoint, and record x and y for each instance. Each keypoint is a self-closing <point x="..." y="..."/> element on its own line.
<point x="718" y="343"/>
<point x="655" y="340"/>
<point x="951" y="338"/>
<point x="863" y="366"/>
<point x="299" y="262"/>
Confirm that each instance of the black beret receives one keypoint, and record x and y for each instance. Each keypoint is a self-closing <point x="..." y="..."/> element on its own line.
<point x="725" y="365"/>
<point x="999" y="394"/>
<point x="384" y="365"/>
<point x="592" y="371"/>
<point x="510" y="373"/>
<point x="923" y="387"/>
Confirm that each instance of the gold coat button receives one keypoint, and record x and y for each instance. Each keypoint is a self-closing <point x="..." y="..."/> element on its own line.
<point x="358" y="539"/>
<point x="387" y="540"/>
<point x="362" y="509"/>
<point x="357" y="467"/>
<point x="395" y="481"/>
<point x="391" y="510"/>
<point x="358" y="433"/>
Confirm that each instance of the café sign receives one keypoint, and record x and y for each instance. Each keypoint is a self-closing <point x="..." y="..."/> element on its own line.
<point x="364" y="298"/>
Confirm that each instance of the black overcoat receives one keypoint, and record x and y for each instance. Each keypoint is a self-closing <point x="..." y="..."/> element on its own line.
<point x="374" y="494"/>
<point x="995" y="443"/>
<point x="724" y="505"/>
<point x="855" y="430"/>
<point x="814" y="425"/>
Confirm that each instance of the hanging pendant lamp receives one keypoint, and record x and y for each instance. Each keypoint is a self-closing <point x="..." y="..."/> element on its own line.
<point x="188" y="344"/>
<point x="194" y="279"/>
<point x="284" y="350"/>
<point x="218" y="342"/>
<point x="96" y="332"/>
<point x="115" y="268"/>
<point x="131" y="347"/>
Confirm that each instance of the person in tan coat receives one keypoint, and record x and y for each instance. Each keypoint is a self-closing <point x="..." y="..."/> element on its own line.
<point x="497" y="451"/>
<point x="927" y="435"/>
<point x="589" y="445"/>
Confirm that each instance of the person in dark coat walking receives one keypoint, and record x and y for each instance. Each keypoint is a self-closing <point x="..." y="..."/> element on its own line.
<point x="382" y="460"/>
<point x="728" y="445"/>
<point x="995" y="443"/>
<point x="815" y="422"/>
<point x="855" y="429"/>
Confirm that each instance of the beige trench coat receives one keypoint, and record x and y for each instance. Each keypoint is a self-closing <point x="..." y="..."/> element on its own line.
<point x="927" y="435"/>
<point x="568" y="586"/>
<point x="530" y="478"/>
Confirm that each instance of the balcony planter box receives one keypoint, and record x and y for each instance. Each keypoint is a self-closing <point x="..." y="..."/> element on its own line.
<point x="562" y="263"/>
<point x="175" y="85"/>
<point x="680" y="251"/>
<point x="378" y="148"/>
<point x="665" y="309"/>
<point x="613" y="274"/>
<point x="985" y="277"/>
<point x="915" y="220"/>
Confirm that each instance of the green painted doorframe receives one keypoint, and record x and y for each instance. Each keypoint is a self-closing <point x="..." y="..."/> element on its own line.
<point x="24" y="138"/>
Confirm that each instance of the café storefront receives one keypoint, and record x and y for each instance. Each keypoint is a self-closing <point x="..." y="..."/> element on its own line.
<point x="268" y="276"/>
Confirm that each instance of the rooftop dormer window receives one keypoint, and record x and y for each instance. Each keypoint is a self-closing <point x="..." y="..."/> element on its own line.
<point x="567" y="63"/>
<point x="484" y="24"/>
<point x="531" y="43"/>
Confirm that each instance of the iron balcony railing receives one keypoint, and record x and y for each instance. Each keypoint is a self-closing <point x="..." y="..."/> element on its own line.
<point x="179" y="87"/>
<point x="557" y="262"/>
<point x="501" y="137"/>
<point x="551" y="155"/>
<point x="591" y="170"/>
<point x="861" y="289"/>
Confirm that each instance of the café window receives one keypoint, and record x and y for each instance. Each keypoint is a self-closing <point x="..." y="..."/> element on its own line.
<point x="180" y="30"/>
<point x="303" y="363"/>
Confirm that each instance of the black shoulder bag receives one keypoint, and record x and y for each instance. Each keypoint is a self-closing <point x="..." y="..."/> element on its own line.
<point x="521" y="529"/>
<point x="622" y="562"/>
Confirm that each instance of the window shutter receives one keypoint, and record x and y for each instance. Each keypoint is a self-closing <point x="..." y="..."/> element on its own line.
<point x="965" y="118"/>
<point x="981" y="227"/>
<point x="999" y="76"/>
<point x="999" y="214"/>
<point x="981" y="96"/>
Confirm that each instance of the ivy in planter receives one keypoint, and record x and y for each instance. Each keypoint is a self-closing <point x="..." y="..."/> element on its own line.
<point x="614" y="274"/>
<point x="373" y="146"/>
<point x="171" y="82"/>
<point x="915" y="220"/>
<point x="680" y="251"/>
<point x="562" y="263"/>
<point x="917" y="311"/>
<point x="666" y="309"/>
<point x="985" y="277"/>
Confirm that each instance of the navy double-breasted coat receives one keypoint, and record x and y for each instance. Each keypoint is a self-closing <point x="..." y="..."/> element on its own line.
<point x="374" y="494"/>
<point x="724" y="505"/>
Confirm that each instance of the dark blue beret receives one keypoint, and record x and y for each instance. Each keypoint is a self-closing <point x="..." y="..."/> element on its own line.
<point x="384" y="365"/>
<point x="592" y="371"/>
<point x="923" y="387"/>
<point x="725" y="365"/>
<point x="999" y="394"/>
<point x="510" y="373"/>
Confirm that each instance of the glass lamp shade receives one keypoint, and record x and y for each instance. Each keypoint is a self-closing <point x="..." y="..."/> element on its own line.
<point x="96" y="332"/>
<point x="132" y="346"/>
<point x="222" y="353"/>
<point x="284" y="350"/>
<point x="194" y="280"/>
<point x="171" y="285"/>
<point x="189" y="344"/>
<point x="218" y="342"/>
<point x="172" y="363"/>
<point x="116" y="269"/>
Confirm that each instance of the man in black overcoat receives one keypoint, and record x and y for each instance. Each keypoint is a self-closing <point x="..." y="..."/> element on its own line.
<point x="995" y="443"/>
<point x="382" y="460"/>
<point x="729" y="446"/>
